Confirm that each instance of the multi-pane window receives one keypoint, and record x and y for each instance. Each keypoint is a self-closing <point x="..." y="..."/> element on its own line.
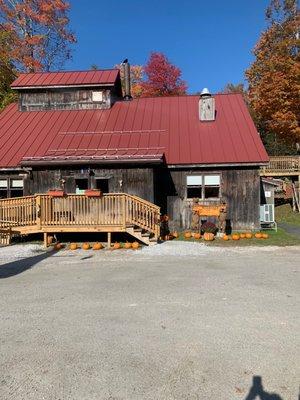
<point x="203" y="186"/>
<point x="11" y="187"/>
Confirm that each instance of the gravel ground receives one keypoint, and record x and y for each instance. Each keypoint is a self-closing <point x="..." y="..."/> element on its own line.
<point x="174" y="321"/>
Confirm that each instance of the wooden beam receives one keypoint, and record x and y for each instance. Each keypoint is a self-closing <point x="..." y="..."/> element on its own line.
<point x="109" y="240"/>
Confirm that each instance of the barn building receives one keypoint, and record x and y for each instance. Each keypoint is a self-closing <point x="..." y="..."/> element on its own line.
<point x="76" y="130"/>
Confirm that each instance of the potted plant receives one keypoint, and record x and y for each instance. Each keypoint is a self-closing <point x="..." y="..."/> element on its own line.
<point x="56" y="192"/>
<point x="93" y="193"/>
<point x="208" y="229"/>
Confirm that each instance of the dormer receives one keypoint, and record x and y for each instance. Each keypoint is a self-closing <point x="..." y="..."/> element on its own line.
<point x="81" y="90"/>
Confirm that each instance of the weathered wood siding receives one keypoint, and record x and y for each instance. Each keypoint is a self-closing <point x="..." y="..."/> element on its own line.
<point x="165" y="187"/>
<point x="239" y="187"/>
<point x="136" y="181"/>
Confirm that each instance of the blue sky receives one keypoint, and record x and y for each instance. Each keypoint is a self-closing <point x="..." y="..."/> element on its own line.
<point x="211" y="41"/>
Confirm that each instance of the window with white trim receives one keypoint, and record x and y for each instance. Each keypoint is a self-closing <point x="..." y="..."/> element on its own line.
<point x="203" y="187"/>
<point x="11" y="187"/>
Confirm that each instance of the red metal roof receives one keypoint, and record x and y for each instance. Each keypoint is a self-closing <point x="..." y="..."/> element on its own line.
<point x="141" y="129"/>
<point x="57" y="79"/>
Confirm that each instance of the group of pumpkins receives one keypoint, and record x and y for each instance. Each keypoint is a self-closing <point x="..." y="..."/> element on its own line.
<point x="99" y="246"/>
<point x="197" y="235"/>
<point x="247" y="235"/>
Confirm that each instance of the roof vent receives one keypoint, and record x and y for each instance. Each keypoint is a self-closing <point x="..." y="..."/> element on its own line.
<point x="206" y="106"/>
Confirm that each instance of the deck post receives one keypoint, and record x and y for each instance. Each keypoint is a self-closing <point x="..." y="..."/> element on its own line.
<point x="38" y="211"/>
<point x="108" y="240"/>
<point x="45" y="239"/>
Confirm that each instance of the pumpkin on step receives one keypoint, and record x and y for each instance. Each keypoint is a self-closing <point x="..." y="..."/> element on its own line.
<point x="135" y="245"/>
<point x="249" y="235"/>
<point x="73" y="246"/>
<point x="258" y="235"/>
<point x="97" y="246"/>
<point x="116" y="245"/>
<point x="242" y="235"/>
<point x="208" y="236"/>
<point x="235" y="236"/>
<point x="197" y="236"/>
<point x="127" y="245"/>
<point x="225" y="237"/>
<point x="187" y="235"/>
<point x="85" y="246"/>
<point x="265" y="235"/>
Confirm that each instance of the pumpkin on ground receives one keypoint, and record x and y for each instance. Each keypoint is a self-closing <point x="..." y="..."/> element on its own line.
<point x="242" y="235"/>
<point x="97" y="246"/>
<point x="258" y="235"/>
<point x="187" y="235"/>
<point x="85" y="246"/>
<point x="73" y="246"/>
<point x="235" y="236"/>
<point x="135" y="245"/>
<point x="127" y="245"/>
<point x="265" y="235"/>
<point x="208" y="236"/>
<point x="249" y="235"/>
<point x="225" y="237"/>
<point x="197" y="236"/>
<point x="117" y="245"/>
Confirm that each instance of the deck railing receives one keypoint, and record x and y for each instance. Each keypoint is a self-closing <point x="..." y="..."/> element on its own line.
<point x="289" y="165"/>
<point x="113" y="210"/>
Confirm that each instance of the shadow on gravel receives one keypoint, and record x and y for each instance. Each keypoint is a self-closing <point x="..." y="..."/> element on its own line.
<point x="257" y="391"/>
<point x="17" y="267"/>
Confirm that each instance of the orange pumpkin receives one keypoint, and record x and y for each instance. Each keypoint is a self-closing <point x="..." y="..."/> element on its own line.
<point x="197" y="236"/>
<point x="73" y="246"/>
<point x="249" y="235"/>
<point x="85" y="246"/>
<point x="117" y="245"/>
<point x="97" y="246"/>
<point x="58" y="246"/>
<point x="187" y="235"/>
<point x="258" y="235"/>
<point x="235" y="236"/>
<point x="208" y="236"/>
<point x="265" y="236"/>
<point x="242" y="235"/>
<point x="175" y="234"/>
<point x="135" y="245"/>
<point x="127" y="245"/>
<point x="225" y="237"/>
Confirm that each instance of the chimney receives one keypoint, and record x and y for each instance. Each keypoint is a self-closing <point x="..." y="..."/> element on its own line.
<point x="206" y="106"/>
<point x="126" y="73"/>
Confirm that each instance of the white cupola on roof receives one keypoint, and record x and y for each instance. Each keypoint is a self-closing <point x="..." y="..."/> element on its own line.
<point x="206" y="106"/>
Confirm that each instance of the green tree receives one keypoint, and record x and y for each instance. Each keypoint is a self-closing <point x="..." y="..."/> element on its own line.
<point x="7" y="73"/>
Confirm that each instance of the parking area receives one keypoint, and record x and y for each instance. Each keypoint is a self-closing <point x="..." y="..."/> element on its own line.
<point x="175" y="321"/>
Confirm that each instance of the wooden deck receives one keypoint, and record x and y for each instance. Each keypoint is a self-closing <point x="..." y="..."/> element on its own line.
<point x="114" y="212"/>
<point x="282" y="166"/>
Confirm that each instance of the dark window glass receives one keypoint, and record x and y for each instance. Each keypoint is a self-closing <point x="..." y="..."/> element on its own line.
<point x="3" y="194"/>
<point x="102" y="184"/>
<point x="82" y="184"/>
<point x="211" y="191"/>
<point x="16" y="193"/>
<point x="194" y="192"/>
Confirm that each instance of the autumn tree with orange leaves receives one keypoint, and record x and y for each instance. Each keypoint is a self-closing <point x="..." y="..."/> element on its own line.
<point x="40" y="35"/>
<point x="162" y="78"/>
<point x="274" y="78"/>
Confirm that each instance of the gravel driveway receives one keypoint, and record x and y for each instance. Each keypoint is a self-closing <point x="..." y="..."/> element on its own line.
<point x="175" y="321"/>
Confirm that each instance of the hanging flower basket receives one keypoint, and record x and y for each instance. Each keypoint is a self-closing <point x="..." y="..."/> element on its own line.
<point x="93" y="193"/>
<point x="56" y="193"/>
